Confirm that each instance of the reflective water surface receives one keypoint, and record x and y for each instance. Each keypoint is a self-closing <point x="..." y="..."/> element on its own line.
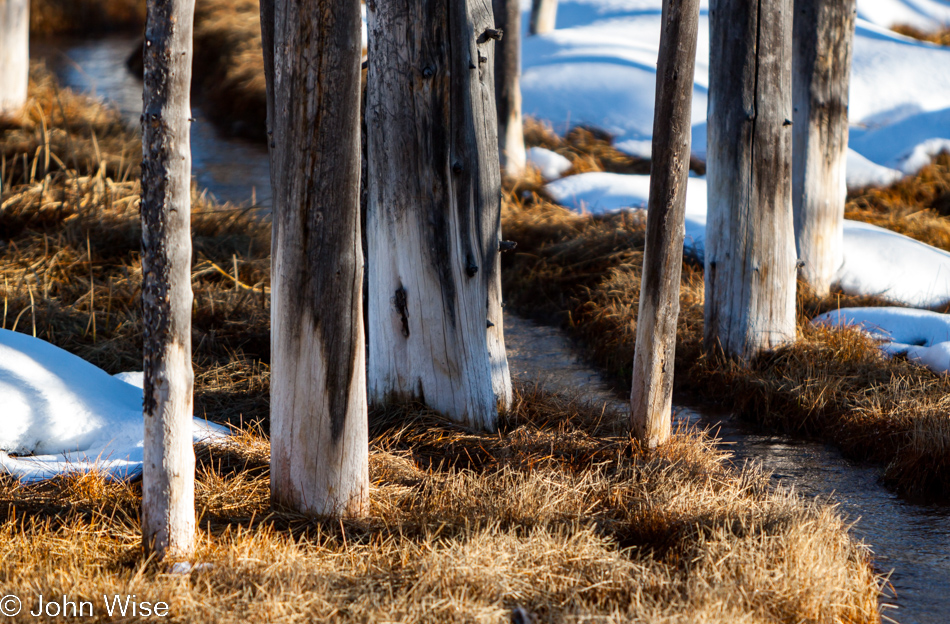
<point x="233" y="170"/>
<point x="911" y="542"/>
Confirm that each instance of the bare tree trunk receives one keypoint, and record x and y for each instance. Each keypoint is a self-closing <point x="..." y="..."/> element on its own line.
<point x="14" y="53"/>
<point x="168" y="489"/>
<point x="750" y="246"/>
<point x="543" y="16"/>
<point x="821" y="66"/>
<point x="434" y="213"/>
<point x="319" y="446"/>
<point x="651" y="397"/>
<point x="508" y="87"/>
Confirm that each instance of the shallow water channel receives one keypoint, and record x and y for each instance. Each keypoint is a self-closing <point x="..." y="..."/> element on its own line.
<point x="911" y="542"/>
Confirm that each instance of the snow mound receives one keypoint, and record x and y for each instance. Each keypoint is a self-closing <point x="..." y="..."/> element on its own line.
<point x="551" y="164"/>
<point x="60" y="414"/>
<point x="887" y="264"/>
<point x="598" y="68"/>
<point x="601" y="193"/>
<point x="923" y="336"/>
<point x="876" y="261"/>
<point x="861" y="173"/>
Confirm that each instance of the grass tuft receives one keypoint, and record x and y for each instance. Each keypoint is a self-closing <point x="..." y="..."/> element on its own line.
<point x="583" y="272"/>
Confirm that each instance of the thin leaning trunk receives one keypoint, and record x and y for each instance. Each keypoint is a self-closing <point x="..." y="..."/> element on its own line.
<point x="14" y="53"/>
<point x="821" y="66"/>
<point x="508" y="87"/>
<point x="651" y="395"/>
<point x="750" y="245"/>
<point x="319" y="446"/>
<point x="434" y="210"/>
<point x="168" y="482"/>
<point x="543" y="16"/>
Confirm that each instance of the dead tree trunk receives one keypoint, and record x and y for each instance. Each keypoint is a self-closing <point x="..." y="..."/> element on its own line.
<point x="821" y="72"/>
<point x="168" y="486"/>
<point x="543" y="16"/>
<point x="750" y="245"/>
<point x="508" y="87"/>
<point x="434" y="212"/>
<point x="319" y="447"/>
<point x="14" y="53"/>
<point x="651" y="397"/>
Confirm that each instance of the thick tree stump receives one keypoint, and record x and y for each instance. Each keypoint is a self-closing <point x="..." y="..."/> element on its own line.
<point x="821" y="73"/>
<point x="750" y="245"/>
<point x="508" y="87"/>
<point x="168" y="480"/>
<point x="319" y="447"/>
<point x="651" y="397"/>
<point x="14" y="53"/>
<point x="434" y="211"/>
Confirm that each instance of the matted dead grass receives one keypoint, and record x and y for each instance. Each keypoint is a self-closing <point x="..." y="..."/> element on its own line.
<point x="559" y="517"/>
<point x="58" y="129"/>
<point x="584" y="273"/>
<point x="917" y="206"/>
<point x="589" y="149"/>
<point x="65" y="17"/>
<point x="941" y="37"/>
<point x="229" y="65"/>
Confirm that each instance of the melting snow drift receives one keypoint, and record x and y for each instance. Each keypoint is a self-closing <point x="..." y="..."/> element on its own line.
<point x="923" y="336"/>
<point x="60" y="414"/>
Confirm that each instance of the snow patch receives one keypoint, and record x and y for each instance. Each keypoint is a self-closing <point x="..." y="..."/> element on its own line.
<point x="599" y="68"/>
<point x="60" y="414"/>
<point x="601" y="193"/>
<point x="862" y="173"/>
<point x="923" y="336"/>
<point x="876" y="261"/>
<point x="551" y="164"/>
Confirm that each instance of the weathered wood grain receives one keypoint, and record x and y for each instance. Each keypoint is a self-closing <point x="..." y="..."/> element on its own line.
<point x="319" y="446"/>
<point x="434" y="209"/>
<point x="651" y="396"/>
<point x="168" y="480"/>
<point x="750" y="245"/>
<point x="508" y="87"/>
<point x="821" y="71"/>
<point x="543" y="16"/>
<point x="14" y="53"/>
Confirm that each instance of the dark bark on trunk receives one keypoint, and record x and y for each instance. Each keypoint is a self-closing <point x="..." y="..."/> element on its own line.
<point x="651" y="397"/>
<point x="168" y="508"/>
<point x="319" y="447"/>
<point x="750" y="247"/>
<point x="508" y="87"/>
<point x="434" y="212"/>
<point x="821" y="66"/>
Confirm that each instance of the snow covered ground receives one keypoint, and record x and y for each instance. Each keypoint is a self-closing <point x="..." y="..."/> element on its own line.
<point x="599" y="68"/>
<point x="923" y="336"/>
<point x="59" y="413"/>
<point x="876" y="261"/>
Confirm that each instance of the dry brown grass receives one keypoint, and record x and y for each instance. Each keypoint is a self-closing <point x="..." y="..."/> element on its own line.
<point x="918" y="206"/>
<point x="589" y="149"/>
<point x="229" y="65"/>
<point x="58" y="129"/>
<point x="584" y="273"/>
<point x="560" y="514"/>
<point x="62" y="17"/>
<point x="941" y="37"/>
